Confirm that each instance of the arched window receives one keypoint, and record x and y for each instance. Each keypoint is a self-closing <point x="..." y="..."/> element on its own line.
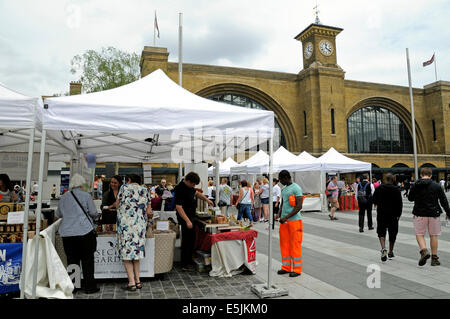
<point x="304" y="121"/>
<point x="400" y="165"/>
<point x="374" y="129"/>
<point x="333" y="131"/>
<point x="244" y="101"/>
<point x="433" y="123"/>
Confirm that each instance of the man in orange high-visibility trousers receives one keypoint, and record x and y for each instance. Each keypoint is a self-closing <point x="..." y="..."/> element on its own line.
<point x="291" y="226"/>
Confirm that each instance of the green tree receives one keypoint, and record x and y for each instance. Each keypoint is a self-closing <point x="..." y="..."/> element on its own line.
<point x="106" y="69"/>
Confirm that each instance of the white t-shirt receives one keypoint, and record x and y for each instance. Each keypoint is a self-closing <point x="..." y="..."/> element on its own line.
<point x="210" y="189"/>
<point x="442" y="183"/>
<point x="35" y="188"/>
<point x="276" y="193"/>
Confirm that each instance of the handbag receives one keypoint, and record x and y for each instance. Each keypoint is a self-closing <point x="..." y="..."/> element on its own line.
<point x="222" y="203"/>
<point x="94" y="229"/>
<point x="238" y="205"/>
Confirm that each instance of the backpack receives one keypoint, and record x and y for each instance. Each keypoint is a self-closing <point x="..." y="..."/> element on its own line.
<point x="362" y="194"/>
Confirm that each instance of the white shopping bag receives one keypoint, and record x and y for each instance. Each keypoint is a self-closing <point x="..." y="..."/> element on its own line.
<point x="53" y="280"/>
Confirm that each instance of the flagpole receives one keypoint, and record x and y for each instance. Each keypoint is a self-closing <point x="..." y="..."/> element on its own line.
<point x="435" y="68"/>
<point x="416" y="170"/>
<point x="180" y="50"/>
<point x="154" y="31"/>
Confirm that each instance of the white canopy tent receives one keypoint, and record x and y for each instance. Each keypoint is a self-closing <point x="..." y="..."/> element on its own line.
<point x="241" y="168"/>
<point x="224" y="167"/>
<point x="154" y="119"/>
<point x="282" y="160"/>
<point x="19" y="132"/>
<point x="333" y="161"/>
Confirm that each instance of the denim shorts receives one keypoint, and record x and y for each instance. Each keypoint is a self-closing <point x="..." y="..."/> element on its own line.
<point x="265" y="200"/>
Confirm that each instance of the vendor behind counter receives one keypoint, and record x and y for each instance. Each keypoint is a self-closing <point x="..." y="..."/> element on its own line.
<point x="7" y="192"/>
<point x="109" y="214"/>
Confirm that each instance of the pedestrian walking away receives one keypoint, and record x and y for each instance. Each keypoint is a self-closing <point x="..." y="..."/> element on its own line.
<point x="291" y="226"/>
<point x="426" y="195"/>
<point x="365" y="192"/>
<point x="388" y="200"/>
<point x="333" y="189"/>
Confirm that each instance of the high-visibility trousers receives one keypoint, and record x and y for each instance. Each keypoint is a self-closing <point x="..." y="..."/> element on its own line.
<point x="291" y="237"/>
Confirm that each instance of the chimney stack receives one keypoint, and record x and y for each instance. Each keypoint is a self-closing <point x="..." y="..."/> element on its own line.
<point x="75" y="88"/>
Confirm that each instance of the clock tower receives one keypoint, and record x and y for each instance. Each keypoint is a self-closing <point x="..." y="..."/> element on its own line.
<point x="319" y="45"/>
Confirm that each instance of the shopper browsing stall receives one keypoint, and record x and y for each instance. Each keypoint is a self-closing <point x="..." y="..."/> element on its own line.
<point x="134" y="208"/>
<point x="186" y="203"/>
<point x="78" y="212"/>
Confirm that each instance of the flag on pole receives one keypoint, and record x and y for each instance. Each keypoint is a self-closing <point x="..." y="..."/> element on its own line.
<point x="156" y="24"/>
<point x="429" y="62"/>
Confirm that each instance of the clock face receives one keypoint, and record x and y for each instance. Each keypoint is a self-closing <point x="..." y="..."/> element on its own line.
<point x="308" y="50"/>
<point x="326" y="48"/>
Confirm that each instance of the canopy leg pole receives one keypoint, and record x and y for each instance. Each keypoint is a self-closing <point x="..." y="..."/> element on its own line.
<point x="269" y="290"/>
<point x="180" y="172"/>
<point x="38" y="212"/>
<point x="217" y="183"/>
<point x="269" y="277"/>
<point x="27" y="209"/>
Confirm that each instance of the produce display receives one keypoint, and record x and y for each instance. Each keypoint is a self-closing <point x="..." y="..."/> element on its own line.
<point x="213" y="222"/>
<point x="14" y="233"/>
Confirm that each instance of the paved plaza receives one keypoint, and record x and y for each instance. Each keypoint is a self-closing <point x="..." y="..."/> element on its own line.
<point x="336" y="258"/>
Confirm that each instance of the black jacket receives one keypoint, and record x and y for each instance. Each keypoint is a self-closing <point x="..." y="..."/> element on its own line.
<point x="388" y="199"/>
<point x="425" y="194"/>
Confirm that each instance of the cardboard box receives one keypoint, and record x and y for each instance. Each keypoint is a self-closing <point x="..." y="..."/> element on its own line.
<point x="5" y="208"/>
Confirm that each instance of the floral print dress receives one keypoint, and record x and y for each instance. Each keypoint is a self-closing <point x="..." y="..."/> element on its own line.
<point x="132" y="221"/>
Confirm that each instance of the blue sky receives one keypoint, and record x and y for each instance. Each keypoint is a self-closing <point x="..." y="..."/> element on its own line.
<point x="39" y="38"/>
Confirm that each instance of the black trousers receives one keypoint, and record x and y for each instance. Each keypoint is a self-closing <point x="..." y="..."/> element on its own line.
<point x="363" y="208"/>
<point x="82" y="248"/>
<point x="390" y="224"/>
<point x="187" y="242"/>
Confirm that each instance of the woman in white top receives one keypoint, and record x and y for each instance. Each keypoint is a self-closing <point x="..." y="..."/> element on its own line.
<point x="211" y="190"/>
<point x="245" y="201"/>
<point x="264" y="194"/>
<point x="7" y="193"/>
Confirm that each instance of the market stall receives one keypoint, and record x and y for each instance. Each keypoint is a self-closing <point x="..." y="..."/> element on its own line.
<point x="311" y="183"/>
<point x="285" y="160"/>
<point x="227" y="245"/>
<point x="121" y="123"/>
<point x="19" y="144"/>
<point x="333" y="161"/>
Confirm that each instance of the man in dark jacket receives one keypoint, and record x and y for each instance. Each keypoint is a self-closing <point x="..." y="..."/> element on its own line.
<point x="426" y="196"/>
<point x="365" y="202"/>
<point x="388" y="200"/>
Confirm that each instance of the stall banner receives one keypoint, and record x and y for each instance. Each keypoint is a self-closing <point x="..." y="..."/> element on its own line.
<point x="109" y="265"/>
<point x="10" y="267"/>
<point x="250" y="254"/>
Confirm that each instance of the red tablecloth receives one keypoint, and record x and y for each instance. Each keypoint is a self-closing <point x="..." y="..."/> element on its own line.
<point x="348" y="203"/>
<point x="204" y="241"/>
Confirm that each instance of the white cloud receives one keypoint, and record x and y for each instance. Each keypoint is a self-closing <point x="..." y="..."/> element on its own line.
<point x="39" y="38"/>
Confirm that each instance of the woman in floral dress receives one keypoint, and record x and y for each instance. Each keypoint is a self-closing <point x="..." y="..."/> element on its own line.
<point x="134" y="208"/>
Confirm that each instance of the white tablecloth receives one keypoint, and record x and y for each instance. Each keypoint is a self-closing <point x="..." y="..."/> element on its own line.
<point x="312" y="204"/>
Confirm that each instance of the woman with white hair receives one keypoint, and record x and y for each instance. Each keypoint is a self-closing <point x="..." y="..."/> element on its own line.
<point x="78" y="212"/>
